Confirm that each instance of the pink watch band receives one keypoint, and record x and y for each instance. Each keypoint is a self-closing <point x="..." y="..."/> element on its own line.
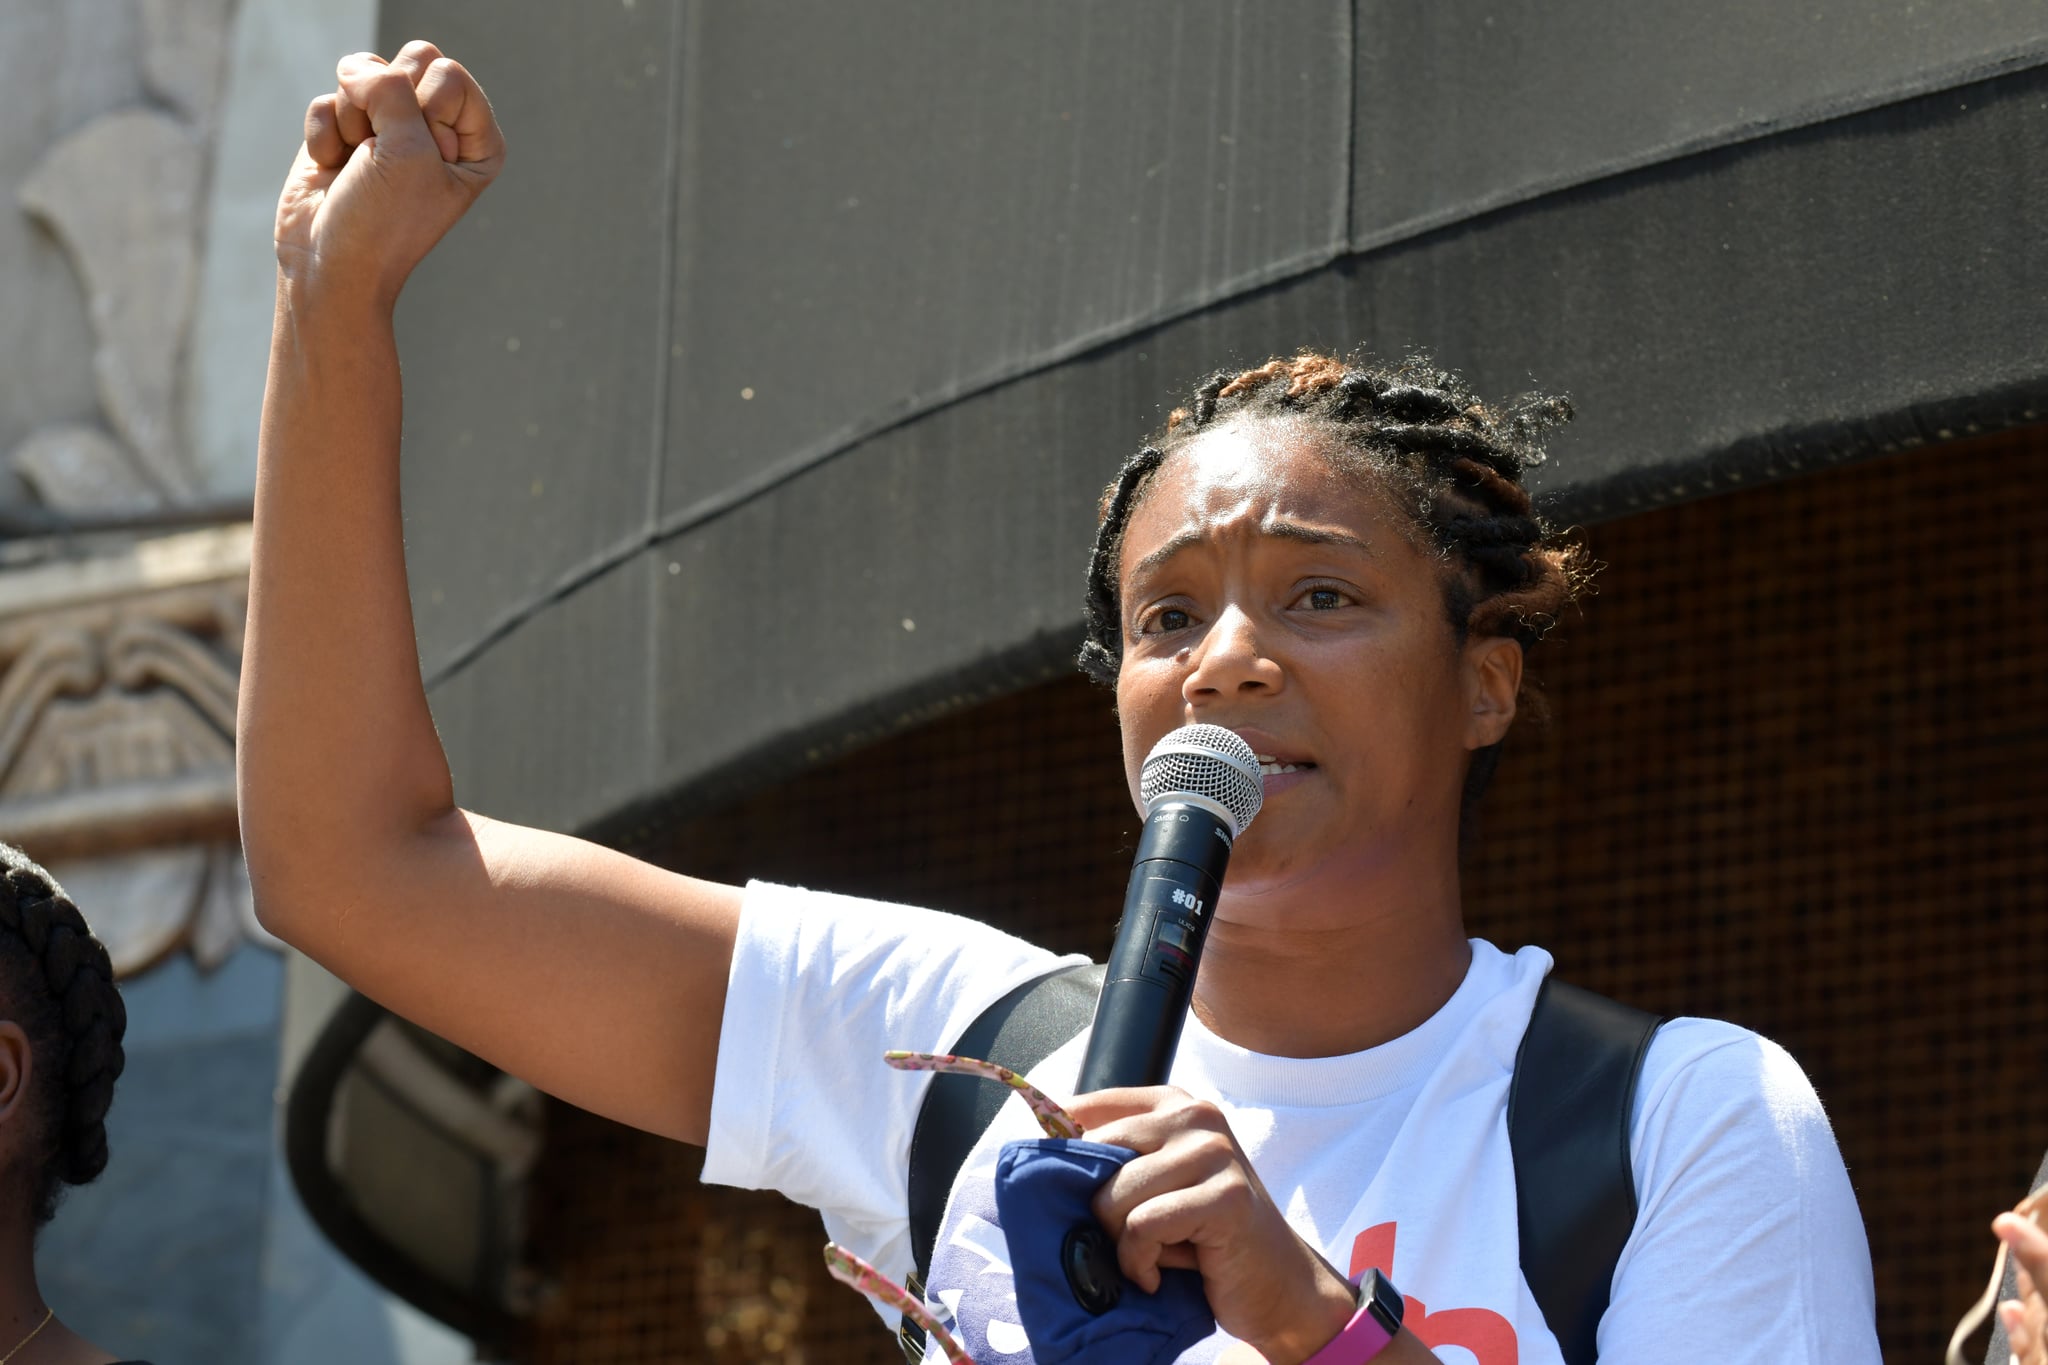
<point x="1362" y="1338"/>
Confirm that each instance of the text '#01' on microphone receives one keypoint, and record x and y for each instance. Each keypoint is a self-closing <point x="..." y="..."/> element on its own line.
<point x="1201" y="787"/>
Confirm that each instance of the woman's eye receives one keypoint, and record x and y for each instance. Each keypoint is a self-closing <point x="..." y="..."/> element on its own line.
<point x="1323" y="599"/>
<point x="1161" y="620"/>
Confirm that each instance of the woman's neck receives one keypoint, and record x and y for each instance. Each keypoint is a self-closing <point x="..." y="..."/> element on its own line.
<point x="1322" y="971"/>
<point x="22" y="1308"/>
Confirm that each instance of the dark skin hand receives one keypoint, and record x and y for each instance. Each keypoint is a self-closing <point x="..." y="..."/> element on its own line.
<point x="439" y="148"/>
<point x="1191" y="1200"/>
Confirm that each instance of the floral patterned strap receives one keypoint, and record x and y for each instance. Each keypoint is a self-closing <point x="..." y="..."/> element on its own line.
<point x="850" y="1269"/>
<point x="1056" y="1121"/>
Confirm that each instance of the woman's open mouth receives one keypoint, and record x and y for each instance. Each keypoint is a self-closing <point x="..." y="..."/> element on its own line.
<point x="1278" y="774"/>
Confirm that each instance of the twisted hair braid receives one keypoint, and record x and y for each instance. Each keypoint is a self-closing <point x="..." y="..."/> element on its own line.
<point x="1456" y="465"/>
<point x="57" y="982"/>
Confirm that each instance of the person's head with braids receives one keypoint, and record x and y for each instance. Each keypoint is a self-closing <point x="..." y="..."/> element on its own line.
<point x="1339" y="561"/>
<point x="61" y="1022"/>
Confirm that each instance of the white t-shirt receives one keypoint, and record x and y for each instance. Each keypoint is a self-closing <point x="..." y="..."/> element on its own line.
<point x="1747" y="1247"/>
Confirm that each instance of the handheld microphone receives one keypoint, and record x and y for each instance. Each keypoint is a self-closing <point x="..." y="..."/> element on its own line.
<point x="1201" y="787"/>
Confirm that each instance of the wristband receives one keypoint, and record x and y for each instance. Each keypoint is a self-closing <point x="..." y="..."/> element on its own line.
<point x="1376" y="1323"/>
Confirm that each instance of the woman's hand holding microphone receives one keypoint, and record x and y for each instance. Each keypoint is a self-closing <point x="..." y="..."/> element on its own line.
<point x="1191" y="1199"/>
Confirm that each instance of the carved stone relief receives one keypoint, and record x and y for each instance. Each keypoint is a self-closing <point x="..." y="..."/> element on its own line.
<point x="119" y="652"/>
<point x="122" y="194"/>
<point x="117" y="711"/>
<point x="184" y="47"/>
<point x="83" y="470"/>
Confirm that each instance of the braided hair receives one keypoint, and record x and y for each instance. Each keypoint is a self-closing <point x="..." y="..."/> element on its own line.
<point x="57" y="983"/>
<point x="1454" y="463"/>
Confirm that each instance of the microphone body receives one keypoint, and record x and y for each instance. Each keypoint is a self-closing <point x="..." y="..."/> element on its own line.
<point x="1151" y="975"/>
<point x="1201" y="787"/>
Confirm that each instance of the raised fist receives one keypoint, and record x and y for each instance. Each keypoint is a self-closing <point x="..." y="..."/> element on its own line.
<point x="391" y="160"/>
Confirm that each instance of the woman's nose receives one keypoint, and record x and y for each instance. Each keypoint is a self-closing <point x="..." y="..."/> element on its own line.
<point x="1228" y="662"/>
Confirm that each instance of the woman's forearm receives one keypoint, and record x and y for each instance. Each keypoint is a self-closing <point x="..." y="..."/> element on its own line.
<point x="336" y="750"/>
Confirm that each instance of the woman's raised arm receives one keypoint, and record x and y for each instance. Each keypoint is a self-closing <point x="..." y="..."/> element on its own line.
<point x="596" y="977"/>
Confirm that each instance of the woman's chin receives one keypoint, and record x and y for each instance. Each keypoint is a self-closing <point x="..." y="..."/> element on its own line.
<point x="1264" y="882"/>
<point x="1288" y="878"/>
<point x="1281" y="849"/>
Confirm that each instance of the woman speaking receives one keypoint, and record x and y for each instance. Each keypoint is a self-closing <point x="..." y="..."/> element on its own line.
<point x="1338" y="562"/>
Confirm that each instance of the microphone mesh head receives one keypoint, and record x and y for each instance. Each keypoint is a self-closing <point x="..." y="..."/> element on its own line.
<point x="1206" y="761"/>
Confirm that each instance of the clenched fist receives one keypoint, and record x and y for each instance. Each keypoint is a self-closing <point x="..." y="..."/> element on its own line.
<point x="391" y="160"/>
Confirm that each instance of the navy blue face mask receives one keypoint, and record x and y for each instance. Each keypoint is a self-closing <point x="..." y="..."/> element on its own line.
<point x="1073" y="1301"/>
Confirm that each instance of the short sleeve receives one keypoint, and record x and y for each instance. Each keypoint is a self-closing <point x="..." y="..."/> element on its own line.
<point x="821" y="986"/>
<point x="1748" y="1245"/>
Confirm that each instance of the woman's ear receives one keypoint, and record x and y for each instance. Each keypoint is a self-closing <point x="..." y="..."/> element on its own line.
<point x="1493" y="680"/>
<point x="16" y="1071"/>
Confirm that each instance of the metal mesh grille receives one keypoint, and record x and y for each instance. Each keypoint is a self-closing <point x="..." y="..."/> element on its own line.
<point x="1205" y="760"/>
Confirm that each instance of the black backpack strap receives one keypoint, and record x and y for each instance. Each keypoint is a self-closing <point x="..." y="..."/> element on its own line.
<point x="1568" y="1126"/>
<point x="1018" y="1031"/>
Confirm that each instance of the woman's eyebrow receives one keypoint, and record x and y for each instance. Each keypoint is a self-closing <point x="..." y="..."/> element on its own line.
<point x="1185" y="540"/>
<point x="1317" y="535"/>
<point x="1284" y="530"/>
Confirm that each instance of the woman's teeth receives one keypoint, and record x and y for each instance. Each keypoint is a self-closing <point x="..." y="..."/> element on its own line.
<point x="1271" y="768"/>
